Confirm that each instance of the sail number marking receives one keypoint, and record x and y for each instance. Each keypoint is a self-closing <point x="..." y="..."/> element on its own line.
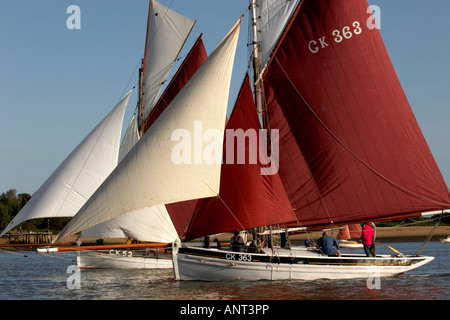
<point x="121" y="253"/>
<point x="338" y="36"/>
<point x="238" y="257"/>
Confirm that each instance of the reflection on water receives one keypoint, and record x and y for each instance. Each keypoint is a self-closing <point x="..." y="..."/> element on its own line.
<point x="42" y="277"/>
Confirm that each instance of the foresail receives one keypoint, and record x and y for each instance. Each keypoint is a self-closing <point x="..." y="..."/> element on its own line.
<point x="149" y="224"/>
<point x="130" y="138"/>
<point x="350" y="146"/>
<point x="247" y="198"/>
<point x="166" y="34"/>
<point x="154" y="172"/>
<point x="80" y="174"/>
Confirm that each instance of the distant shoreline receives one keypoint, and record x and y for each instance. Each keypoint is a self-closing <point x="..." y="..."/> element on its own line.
<point x="394" y="234"/>
<point x="384" y="234"/>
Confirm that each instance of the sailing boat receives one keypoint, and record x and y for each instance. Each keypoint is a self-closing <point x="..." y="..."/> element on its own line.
<point x="349" y="149"/>
<point x="167" y="32"/>
<point x="150" y="174"/>
<point x="72" y="184"/>
<point x="146" y="224"/>
<point x="327" y="87"/>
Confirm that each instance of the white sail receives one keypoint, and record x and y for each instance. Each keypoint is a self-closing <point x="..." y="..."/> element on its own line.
<point x="150" y="224"/>
<point x="148" y="176"/>
<point x="274" y="16"/>
<point x="80" y="174"/>
<point x="130" y="138"/>
<point x="166" y="34"/>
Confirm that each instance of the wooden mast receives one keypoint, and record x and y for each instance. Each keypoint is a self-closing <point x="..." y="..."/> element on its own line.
<point x="142" y="78"/>
<point x="255" y="58"/>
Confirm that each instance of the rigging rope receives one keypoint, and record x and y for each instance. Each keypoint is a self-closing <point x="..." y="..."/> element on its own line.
<point x="425" y="243"/>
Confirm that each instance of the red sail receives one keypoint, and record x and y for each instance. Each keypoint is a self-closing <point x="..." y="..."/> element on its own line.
<point x="351" y="231"/>
<point x="350" y="147"/>
<point x="190" y="65"/>
<point x="247" y="199"/>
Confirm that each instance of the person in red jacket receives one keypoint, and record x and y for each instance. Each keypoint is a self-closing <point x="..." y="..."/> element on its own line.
<point x="367" y="238"/>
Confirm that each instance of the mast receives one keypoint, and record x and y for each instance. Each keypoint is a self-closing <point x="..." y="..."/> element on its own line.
<point x="256" y="56"/>
<point x="256" y="86"/>
<point x="140" y="119"/>
<point x="140" y="115"/>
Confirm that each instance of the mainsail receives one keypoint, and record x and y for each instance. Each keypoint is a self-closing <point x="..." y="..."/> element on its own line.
<point x="80" y="174"/>
<point x="148" y="176"/>
<point x="350" y="146"/>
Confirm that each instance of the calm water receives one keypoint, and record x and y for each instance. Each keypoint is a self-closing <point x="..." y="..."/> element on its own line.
<point x="38" y="277"/>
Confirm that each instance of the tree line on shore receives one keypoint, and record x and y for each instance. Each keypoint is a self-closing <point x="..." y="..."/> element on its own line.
<point x="11" y="203"/>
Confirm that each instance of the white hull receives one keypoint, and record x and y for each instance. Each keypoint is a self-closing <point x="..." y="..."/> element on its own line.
<point x="220" y="265"/>
<point x="121" y="259"/>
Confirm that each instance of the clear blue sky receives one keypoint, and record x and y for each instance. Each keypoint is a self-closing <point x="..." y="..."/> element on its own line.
<point x="56" y="84"/>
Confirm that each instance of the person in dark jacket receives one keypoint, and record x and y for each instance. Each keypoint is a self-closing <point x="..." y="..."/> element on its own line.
<point x="237" y="243"/>
<point x="328" y="245"/>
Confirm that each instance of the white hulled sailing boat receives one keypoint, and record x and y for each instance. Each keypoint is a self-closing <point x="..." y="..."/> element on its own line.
<point x="349" y="147"/>
<point x="147" y="177"/>
<point x="350" y="150"/>
<point x="167" y="32"/>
